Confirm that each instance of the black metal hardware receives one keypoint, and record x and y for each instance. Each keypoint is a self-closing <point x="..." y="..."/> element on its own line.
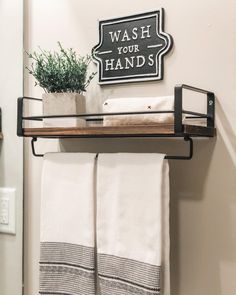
<point x="190" y="155"/>
<point x="33" y="140"/>
<point x="178" y="112"/>
<point x="211" y="109"/>
<point x="20" y="116"/>
<point x="187" y="138"/>
<point x="178" y="105"/>
<point x="36" y="118"/>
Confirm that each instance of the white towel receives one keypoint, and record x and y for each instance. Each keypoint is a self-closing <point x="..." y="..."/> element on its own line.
<point x="139" y="104"/>
<point x="67" y="224"/>
<point x="133" y="224"/>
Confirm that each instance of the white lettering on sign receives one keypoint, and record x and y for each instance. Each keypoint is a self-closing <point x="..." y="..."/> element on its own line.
<point x="135" y="34"/>
<point x="118" y="65"/>
<point x="132" y="61"/>
<point x="117" y="36"/>
<point x="145" y="31"/>
<point x="119" y="50"/>
<point x="130" y="49"/>
<point x="109" y="64"/>
<point x="140" y="61"/>
<point x="129" y="62"/>
<point x="125" y="36"/>
<point x="151" y="60"/>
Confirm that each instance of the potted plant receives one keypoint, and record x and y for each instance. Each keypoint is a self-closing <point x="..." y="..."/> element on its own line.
<point x="63" y="76"/>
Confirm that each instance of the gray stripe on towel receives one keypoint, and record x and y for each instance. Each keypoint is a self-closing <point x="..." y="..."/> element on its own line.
<point x="118" y="275"/>
<point x="65" y="252"/>
<point x="66" y="269"/>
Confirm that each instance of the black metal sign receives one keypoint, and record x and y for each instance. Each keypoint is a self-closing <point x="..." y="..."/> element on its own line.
<point x="132" y="48"/>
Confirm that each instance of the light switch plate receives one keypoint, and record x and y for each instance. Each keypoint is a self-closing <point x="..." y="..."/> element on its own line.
<point x="7" y="210"/>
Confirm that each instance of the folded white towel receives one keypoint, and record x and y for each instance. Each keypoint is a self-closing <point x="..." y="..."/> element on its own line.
<point x="67" y="224"/>
<point x="139" y="104"/>
<point x="133" y="224"/>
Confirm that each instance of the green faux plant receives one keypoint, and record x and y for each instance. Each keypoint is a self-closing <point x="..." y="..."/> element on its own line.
<point x="62" y="71"/>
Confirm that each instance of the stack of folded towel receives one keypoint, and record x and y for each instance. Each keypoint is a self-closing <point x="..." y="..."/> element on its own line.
<point x="139" y="104"/>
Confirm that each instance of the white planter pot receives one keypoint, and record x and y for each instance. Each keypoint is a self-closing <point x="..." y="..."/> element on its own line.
<point x="63" y="104"/>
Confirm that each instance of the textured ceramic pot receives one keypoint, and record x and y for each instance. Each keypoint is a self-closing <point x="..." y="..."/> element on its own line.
<point x="63" y="104"/>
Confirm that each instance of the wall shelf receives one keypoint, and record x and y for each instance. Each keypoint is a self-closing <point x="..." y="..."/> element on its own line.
<point x="160" y="130"/>
<point x="177" y="129"/>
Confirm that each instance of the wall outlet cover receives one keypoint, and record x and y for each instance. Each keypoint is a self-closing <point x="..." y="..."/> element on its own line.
<point x="7" y="210"/>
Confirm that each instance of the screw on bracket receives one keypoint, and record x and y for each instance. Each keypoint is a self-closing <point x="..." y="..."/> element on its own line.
<point x="210" y="102"/>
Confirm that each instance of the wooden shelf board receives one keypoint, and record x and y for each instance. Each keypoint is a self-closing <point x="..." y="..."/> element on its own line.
<point x="118" y="131"/>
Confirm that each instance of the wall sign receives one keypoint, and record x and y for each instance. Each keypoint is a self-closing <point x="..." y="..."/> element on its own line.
<point x="132" y="48"/>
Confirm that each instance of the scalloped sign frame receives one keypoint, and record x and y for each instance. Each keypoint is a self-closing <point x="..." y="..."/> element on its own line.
<point x="132" y="48"/>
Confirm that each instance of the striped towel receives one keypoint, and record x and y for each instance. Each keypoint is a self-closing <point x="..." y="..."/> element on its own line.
<point x="67" y="260"/>
<point x="133" y="224"/>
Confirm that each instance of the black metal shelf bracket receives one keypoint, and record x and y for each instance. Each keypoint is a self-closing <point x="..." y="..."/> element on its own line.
<point x="186" y="138"/>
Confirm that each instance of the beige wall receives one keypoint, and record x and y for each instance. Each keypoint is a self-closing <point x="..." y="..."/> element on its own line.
<point x="203" y="191"/>
<point x="11" y="148"/>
